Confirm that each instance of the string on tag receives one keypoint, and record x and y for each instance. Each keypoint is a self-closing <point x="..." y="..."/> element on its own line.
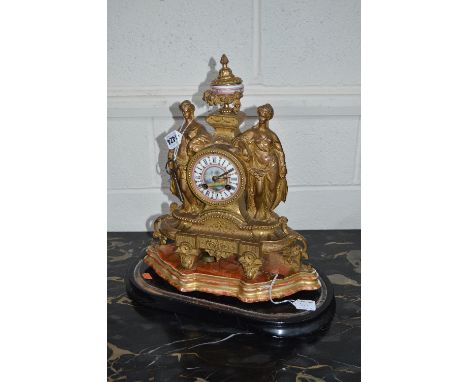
<point x="270" y="291"/>
<point x="298" y="304"/>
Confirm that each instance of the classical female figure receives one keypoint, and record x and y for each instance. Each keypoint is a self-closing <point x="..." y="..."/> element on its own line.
<point x="194" y="138"/>
<point x="261" y="150"/>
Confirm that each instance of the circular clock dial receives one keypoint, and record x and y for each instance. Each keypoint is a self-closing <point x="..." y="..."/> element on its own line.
<point x="215" y="178"/>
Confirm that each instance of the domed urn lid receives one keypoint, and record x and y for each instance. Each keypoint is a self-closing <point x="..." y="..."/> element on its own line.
<point x="225" y="90"/>
<point x="226" y="82"/>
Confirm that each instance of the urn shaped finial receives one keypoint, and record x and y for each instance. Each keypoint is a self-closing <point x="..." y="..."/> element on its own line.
<point x="225" y="90"/>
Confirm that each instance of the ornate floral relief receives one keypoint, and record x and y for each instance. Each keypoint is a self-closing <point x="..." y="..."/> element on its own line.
<point x="218" y="248"/>
<point x="251" y="263"/>
<point x="221" y="225"/>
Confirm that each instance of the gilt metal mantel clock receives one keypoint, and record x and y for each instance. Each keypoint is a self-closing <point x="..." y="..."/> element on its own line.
<point x="224" y="238"/>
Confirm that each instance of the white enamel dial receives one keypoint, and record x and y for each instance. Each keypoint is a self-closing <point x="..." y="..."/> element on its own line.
<point x="215" y="178"/>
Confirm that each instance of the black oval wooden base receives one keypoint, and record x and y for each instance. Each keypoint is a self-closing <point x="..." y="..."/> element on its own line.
<point x="279" y="320"/>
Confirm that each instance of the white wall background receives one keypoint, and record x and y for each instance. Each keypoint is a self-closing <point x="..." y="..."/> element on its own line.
<point x="303" y="57"/>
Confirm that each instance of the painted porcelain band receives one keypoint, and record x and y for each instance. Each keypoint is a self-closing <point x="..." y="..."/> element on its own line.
<point x="227" y="89"/>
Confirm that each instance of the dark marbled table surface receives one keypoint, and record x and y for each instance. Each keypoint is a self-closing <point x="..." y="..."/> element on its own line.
<point x="145" y="345"/>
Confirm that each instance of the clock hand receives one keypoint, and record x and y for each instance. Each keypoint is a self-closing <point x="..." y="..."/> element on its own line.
<point x="216" y="177"/>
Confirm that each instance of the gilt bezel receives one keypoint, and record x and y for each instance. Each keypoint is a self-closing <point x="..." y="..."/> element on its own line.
<point x="233" y="159"/>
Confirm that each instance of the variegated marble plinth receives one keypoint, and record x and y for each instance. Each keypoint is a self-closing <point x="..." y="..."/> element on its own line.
<point x="226" y="277"/>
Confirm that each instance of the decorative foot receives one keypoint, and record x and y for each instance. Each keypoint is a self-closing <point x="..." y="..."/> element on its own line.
<point x="292" y="258"/>
<point x="251" y="264"/>
<point x="186" y="248"/>
<point x="187" y="254"/>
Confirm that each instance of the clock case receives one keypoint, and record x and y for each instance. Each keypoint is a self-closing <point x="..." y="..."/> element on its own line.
<point x="222" y="248"/>
<point x="225" y="229"/>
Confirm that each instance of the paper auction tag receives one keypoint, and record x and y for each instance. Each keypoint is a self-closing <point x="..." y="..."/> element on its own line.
<point x="304" y="304"/>
<point x="173" y="139"/>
